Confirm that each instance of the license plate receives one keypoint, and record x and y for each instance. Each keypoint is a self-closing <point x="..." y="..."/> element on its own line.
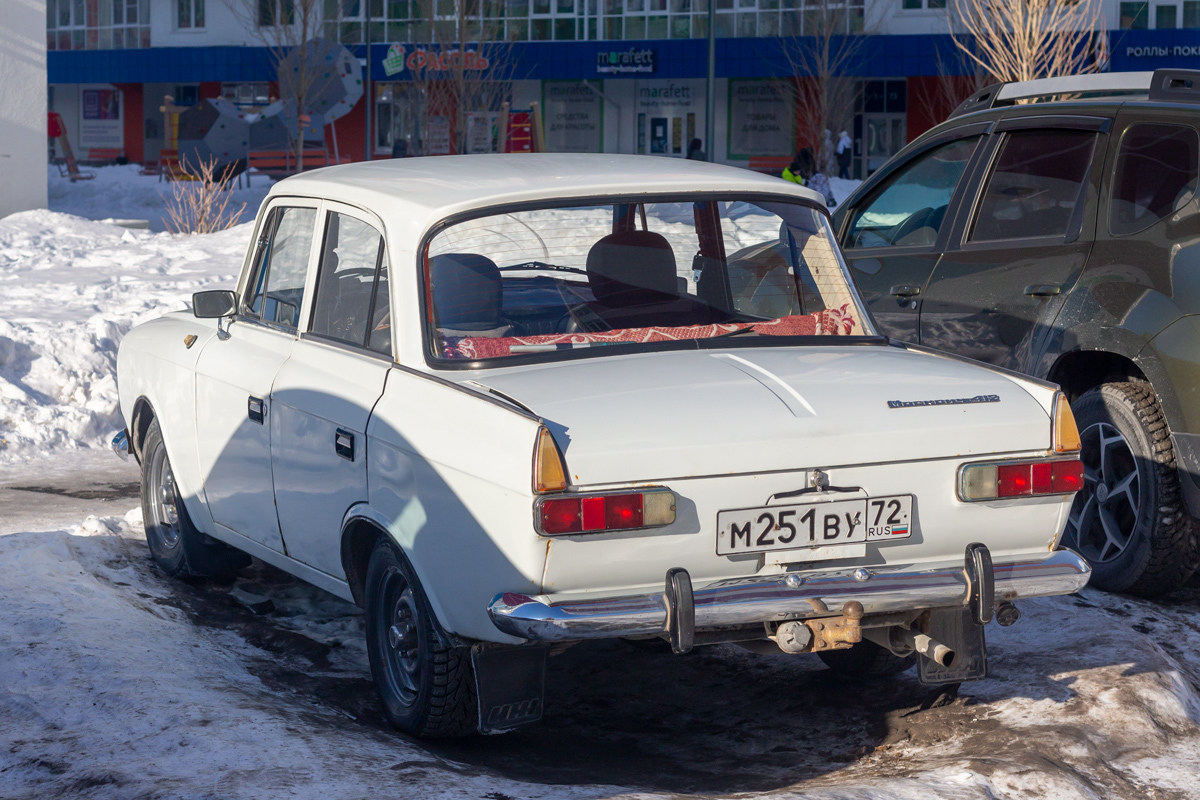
<point x="807" y="525"/>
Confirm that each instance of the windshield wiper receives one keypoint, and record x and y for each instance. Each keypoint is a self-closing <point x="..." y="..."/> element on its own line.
<point x="738" y="332"/>
<point x="538" y="265"/>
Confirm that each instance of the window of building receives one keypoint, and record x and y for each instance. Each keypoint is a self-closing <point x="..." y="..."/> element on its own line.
<point x="1165" y="16"/>
<point x="1135" y="16"/>
<point x="276" y="12"/>
<point x="247" y="94"/>
<point x="1191" y="14"/>
<point x="1036" y="185"/>
<point x="917" y="5"/>
<point x="1156" y="174"/>
<point x="97" y="24"/>
<point x="190" y="14"/>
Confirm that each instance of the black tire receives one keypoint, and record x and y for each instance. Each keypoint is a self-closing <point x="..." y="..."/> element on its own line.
<point x="426" y="688"/>
<point x="1129" y="521"/>
<point x="866" y="660"/>
<point x="178" y="547"/>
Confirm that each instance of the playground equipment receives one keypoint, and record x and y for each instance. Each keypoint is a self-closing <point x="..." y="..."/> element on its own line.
<point x="57" y="129"/>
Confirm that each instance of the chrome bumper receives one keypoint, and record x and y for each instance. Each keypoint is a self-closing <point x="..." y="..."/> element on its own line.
<point x="817" y="593"/>
<point x="120" y="445"/>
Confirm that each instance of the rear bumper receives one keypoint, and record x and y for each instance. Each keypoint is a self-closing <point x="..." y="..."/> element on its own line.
<point x="817" y="593"/>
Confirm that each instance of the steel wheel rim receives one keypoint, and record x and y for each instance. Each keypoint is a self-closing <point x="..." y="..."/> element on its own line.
<point x="400" y="639"/>
<point x="1107" y="510"/>
<point x="165" y="502"/>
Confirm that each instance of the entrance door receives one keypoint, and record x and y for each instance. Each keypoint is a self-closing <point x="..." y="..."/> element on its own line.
<point x="883" y="137"/>
<point x="894" y="236"/>
<point x="324" y="393"/>
<point x="669" y="135"/>
<point x="1014" y="258"/>
<point x="234" y="376"/>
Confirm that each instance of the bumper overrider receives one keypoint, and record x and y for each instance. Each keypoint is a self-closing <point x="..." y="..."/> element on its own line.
<point x="788" y="596"/>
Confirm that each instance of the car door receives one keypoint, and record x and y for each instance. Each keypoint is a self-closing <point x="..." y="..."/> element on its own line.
<point x="893" y="238"/>
<point x="235" y="372"/>
<point x="1012" y="259"/>
<point x="323" y="395"/>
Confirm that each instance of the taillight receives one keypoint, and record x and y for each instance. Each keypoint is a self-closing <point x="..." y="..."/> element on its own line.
<point x="549" y="472"/>
<point x="604" y="512"/>
<point x="1024" y="479"/>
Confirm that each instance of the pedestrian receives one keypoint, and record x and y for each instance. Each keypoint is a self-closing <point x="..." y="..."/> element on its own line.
<point x="845" y="152"/>
<point x="829" y="164"/>
<point x="400" y="149"/>
<point x="794" y="171"/>
<point x="814" y="178"/>
<point x="696" y="151"/>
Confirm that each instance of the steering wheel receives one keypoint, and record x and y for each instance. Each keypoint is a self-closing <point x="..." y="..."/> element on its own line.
<point x="580" y="319"/>
<point x="914" y="223"/>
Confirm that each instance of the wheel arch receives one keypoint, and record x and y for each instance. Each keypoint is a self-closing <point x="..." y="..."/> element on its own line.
<point x="1079" y="371"/>
<point x="139" y="425"/>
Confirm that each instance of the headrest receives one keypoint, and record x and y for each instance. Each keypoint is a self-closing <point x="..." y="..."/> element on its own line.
<point x="467" y="291"/>
<point x="631" y="268"/>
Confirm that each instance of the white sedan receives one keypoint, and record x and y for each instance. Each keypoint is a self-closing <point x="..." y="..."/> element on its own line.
<point x="509" y="403"/>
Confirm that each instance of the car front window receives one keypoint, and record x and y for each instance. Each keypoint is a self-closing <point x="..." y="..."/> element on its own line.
<point x="640" y="274"/>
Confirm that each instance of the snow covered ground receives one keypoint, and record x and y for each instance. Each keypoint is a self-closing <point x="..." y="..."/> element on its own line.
<point x="119" y="683"/>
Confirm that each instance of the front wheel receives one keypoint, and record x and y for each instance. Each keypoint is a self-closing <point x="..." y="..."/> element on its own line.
<point x="427" y="689"/>
<point x="1129" y="519"/>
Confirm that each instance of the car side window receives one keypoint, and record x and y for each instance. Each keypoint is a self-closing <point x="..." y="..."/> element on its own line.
<point x="1035" y="186"/>
<point x="1156" y="174"/>
<point x="276" y="290"/>
<point x="352" y="299"/>
<point x="910" y="207"/>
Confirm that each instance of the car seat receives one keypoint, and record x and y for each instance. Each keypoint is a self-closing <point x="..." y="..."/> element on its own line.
<point x="468" y="295"/>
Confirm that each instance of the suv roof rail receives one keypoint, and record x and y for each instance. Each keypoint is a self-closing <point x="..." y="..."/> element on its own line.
<point x="1166" y="85"/>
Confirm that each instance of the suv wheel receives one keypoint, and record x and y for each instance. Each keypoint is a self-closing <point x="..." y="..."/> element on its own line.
<point x="1129" y="520"/>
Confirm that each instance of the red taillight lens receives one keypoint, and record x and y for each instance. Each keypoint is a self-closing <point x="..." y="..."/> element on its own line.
<point x="1014" y="480"/>
<point x="1040" y="477"/>
<point x="1067" y="476"/>
<point x="561" y="516"/>
<point x="606" y="512"/>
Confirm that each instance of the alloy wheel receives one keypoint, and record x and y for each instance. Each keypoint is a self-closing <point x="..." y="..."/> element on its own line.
<point x="1105" y="513"/>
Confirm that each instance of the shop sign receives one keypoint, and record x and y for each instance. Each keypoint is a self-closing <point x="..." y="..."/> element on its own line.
<point x="414" y="58"/>
<point x="633" y="61"/>
<point x="760" y="119"/>
<point x="1159" y="51"/>
<point x="574" y="118"/>
<point x="100" y="118"/>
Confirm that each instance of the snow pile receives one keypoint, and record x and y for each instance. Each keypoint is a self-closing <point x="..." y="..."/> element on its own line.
<point x="122" y="193"/>
<point x="69" y="290"/>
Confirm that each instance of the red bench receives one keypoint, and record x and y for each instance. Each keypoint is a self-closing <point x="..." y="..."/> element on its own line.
<point x="104" y="155"/>
<point x="770" y="165"/>
<point x="281" y="163"/>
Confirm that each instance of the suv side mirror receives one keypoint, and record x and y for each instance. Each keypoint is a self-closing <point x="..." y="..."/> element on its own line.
<point x="214" y="304"/>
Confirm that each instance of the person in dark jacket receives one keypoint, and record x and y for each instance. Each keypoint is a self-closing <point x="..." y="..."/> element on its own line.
<point x="696" y="151"/>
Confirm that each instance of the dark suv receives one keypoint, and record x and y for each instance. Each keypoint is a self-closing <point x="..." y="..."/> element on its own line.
<point x="1053" y="227"/>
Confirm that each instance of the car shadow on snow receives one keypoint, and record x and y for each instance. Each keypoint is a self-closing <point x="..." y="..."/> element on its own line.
<point x="719" y="720"/>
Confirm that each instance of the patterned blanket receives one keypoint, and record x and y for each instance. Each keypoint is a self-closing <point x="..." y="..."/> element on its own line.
<point x="831" y="322"/>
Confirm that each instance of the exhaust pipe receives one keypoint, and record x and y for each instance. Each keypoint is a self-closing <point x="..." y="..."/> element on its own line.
<point x="903" y="641"/>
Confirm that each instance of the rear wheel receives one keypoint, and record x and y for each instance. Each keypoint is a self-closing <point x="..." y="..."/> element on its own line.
<point x="427" y="689"/>
<point x="177" y="546"/>
<point x="866" y="660"/>
<point x="1129" y="519"/>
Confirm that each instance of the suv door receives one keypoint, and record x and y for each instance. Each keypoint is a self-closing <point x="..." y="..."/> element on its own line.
<point x="1011" y="260"/>
<point x="234" y="375"/>
<point x="893" y="239"/>
<point x="323" y="395"/>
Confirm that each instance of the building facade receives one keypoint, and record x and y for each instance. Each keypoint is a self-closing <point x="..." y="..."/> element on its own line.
<point x="627" y="76"/>
<point x="22" y="109"/>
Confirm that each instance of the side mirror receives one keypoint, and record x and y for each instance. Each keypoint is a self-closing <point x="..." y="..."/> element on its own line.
<point x="214" y="304"/>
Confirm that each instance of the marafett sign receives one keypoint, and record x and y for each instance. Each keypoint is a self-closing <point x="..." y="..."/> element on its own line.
<point x="420" y="59"/>
<point x="631" y="61"/>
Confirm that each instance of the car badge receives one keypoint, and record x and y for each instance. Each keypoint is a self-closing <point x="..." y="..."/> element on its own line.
<point x="953" y="401"/>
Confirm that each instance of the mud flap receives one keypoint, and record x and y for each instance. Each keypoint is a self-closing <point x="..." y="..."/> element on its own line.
<point x="957" y="629"/>
<point x="510" y="683"/>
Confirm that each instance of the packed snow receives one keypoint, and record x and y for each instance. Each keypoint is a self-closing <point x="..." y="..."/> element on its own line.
<point x="119" y="682"/>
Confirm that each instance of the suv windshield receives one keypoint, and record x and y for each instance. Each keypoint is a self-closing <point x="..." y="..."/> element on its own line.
<point x="545" y="280"/>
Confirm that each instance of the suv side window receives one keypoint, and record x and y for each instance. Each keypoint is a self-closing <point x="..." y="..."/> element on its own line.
<point x="352" y="302"/>
<point x="1035" y="186"/>
<point x="910" y="206"/>
<point x="276" y="290"/>
<point x="1156" y="174"/>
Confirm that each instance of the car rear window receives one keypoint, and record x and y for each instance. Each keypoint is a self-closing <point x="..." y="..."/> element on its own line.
<point x="555" y="280"/>
<point x="1036" y="185"/>
<point x="1156" y="174"/>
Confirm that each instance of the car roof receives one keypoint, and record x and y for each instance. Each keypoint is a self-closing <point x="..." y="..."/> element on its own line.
<point x="432" y="188"/>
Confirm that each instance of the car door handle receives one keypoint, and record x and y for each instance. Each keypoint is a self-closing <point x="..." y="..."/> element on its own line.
<point x="905" y="290"/>
<point x="256" y="409"/>
<point x="1042" y="290"/>
<point x="343" y="444"/>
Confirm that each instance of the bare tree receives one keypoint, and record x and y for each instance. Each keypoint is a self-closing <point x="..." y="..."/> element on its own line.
<point x="832" y="36"/>
<point x="290" y="31"/>
<point x="203" y="202"/>
<point x="1021" y="40"/>
<point x="957" y="79"/>
<point x="458" y="73"/>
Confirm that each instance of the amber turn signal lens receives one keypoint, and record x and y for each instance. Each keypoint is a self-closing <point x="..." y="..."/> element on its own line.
<point x="1066" y="432"/>
<point x="549" y="472"/>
